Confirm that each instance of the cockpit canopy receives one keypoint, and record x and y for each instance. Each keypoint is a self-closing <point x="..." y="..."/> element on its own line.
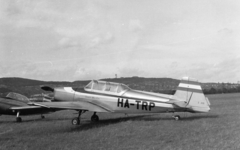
<point x="103" y="86"/>
<point x="17" y="96"/>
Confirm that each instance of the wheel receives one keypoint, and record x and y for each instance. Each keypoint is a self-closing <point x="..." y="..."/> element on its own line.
<point x="76" y="121"/>
<point x="94" y="118"/>
<point x="177" y="117"/>
<point x="19" y="119"/>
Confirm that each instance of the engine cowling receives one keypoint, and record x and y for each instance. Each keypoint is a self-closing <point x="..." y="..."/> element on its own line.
<point x="61" y="93"/>
<point x="64" y="94"/>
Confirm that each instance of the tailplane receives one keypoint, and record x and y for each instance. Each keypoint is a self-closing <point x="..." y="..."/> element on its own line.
<point x="190" y="92"/>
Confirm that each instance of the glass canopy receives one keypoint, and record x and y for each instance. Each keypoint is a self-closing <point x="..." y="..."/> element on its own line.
<point x="17" y="96"/>
<point x="106" y="86"/>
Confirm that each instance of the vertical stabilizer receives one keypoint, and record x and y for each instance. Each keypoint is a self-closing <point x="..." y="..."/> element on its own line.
<point x="190" y="91"/>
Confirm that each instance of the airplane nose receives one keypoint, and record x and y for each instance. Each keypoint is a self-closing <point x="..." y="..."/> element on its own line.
<point x="64" y="94"/>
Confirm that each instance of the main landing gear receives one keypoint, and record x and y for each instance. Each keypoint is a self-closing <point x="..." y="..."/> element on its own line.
<point x="18" y="119"/>
<point x="76" y="121"/>
<point x="94" y="117"/>
<point x="176" y="117"/>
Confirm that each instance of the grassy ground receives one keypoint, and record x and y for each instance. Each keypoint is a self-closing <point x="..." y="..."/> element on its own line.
<point x="219" y="129"/>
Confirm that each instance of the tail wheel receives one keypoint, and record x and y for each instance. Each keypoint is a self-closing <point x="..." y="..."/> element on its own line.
<point x="177" y="117"/>
<point x="94" y="118"/>
<point x="76" y="121"/>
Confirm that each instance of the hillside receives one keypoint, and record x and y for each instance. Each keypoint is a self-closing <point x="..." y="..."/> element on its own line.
<point x="24" y="86"/>
<point x="19" y="82"/>
<point x="29" y="87"/>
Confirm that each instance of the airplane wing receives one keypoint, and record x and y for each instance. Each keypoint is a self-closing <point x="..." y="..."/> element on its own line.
<point x="58" y="105"/>
<point x="89" y="106"/>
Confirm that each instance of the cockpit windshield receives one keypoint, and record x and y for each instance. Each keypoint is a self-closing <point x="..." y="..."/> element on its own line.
<point x="17" y="96"/>
<point x="106" y="86"/>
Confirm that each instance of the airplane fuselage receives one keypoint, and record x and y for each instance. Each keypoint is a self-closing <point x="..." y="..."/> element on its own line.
<point x="102" y="96"/>
<point x="124" y="104"/>
<point x="131" y="101"/>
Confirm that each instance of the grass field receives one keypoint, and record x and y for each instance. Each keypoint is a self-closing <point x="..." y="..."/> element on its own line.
<point x="219" y="129"/>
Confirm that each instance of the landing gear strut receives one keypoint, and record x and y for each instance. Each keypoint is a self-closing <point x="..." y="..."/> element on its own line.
<point x="94" y="117"/>
<point x="76" y="121"/>
<point x="18" y="119"/>
<point x="176" y="117"/>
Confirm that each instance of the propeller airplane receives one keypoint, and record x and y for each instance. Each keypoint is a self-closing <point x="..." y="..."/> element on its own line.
<point x="102" y="96"/>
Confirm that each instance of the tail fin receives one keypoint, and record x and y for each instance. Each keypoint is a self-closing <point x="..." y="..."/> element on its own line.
<point x="190" y="91"/>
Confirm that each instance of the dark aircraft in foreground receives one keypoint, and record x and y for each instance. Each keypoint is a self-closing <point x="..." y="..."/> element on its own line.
<point x="17" y="104"/>
<point x="102" y="96"/>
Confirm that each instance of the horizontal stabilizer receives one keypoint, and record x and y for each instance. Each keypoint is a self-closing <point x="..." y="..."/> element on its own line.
<point x="177" y="103"/>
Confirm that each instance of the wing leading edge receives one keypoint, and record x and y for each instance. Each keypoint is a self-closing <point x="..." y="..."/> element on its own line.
<point x="89" y="106"/>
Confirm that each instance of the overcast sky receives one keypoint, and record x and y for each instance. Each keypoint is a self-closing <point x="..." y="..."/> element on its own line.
<point x="85" y="39"/>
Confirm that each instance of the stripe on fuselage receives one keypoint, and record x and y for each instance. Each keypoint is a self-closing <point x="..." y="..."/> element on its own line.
<point x="189" y="90"/>
<point x="190" y="86"/>
<point x="124" y="97"/>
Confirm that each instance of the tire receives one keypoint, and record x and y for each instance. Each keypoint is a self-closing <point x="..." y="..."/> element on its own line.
<point x="75" y="121"/>
<point x="94" y="118"/>
<point x="19" y="119"/>
<point x="177" y="117"/>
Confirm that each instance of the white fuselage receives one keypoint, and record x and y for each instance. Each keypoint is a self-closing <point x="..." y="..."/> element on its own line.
<point x="129" y="102"/>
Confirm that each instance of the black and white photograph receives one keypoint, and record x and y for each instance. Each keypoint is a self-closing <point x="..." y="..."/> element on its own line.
<point x="119" y="74"/>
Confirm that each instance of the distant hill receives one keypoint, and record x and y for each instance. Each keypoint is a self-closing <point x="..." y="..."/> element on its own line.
<point x="128" y="80"/>
<point x="4" y="90"/>
<point x="14" y="81"/>
<point x="137" y="80"/>
<point x="19" y="82"/>
<point x="29" y="87"/>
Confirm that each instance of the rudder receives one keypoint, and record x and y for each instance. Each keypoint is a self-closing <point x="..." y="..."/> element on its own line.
<point x="190" y="91"/>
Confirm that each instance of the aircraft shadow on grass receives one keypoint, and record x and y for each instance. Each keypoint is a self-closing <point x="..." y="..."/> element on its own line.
<point x="47" y="119"/>
<point x="88" y="125"/>
<point x="191" y="118"/>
